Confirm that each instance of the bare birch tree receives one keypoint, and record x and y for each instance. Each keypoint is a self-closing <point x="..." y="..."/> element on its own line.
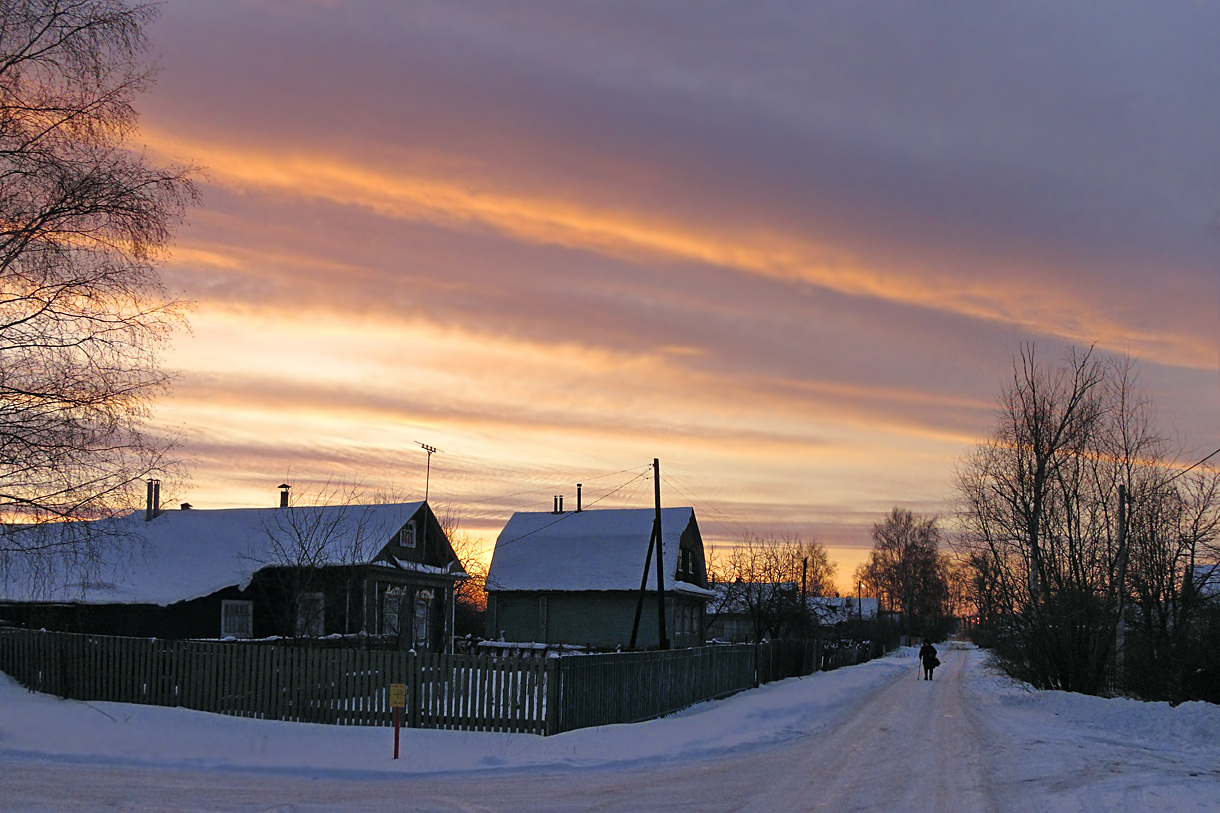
<point x="470" y="593"/>
<point x="332" y="529"/>
<point x="767" y="578"/>
<point x="1173" y="527"/>
<point x="83" y="312"/>
<point x="1065" y="509"/>
<point x="907" y="571"/>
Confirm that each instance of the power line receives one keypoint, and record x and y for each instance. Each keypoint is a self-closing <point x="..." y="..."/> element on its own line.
<point x="585" y="479"/>
<point x="720" y="515"/>
<point x="1192" y="466"/>
<point x="638" y="477"/>
<point x="569" y="514"/>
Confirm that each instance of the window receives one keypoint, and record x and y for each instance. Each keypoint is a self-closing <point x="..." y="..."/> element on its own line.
<point x="237" y="619"/>
<point x="311" y="615"/>
<point x="423" y="615"/>
<point x="406" y="536"/>
<point x="686" y="620"/>
<point x="390" y="610"/>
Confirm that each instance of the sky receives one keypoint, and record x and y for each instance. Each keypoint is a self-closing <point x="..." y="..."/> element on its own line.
<point x="789" y="249"/>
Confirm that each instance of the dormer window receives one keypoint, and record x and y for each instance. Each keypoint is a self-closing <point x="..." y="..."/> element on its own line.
<point x="686" y="563"/>
<point x="406" y="536"/>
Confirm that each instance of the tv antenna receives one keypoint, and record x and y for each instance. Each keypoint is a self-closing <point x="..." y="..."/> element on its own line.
<point x="431" y="450"/>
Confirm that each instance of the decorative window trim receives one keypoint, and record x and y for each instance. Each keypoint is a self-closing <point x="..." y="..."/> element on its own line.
<point x="392" y="603"/>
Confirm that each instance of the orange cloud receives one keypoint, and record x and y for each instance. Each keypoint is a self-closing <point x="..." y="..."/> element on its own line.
<point x="324" y="395"/>
<point x="459" y="202"/>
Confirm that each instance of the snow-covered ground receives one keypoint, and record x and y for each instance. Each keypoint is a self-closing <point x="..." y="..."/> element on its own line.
<point x="865" y="737"/>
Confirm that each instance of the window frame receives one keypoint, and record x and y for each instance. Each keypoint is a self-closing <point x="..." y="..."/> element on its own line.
<point x="312" y="625"/>
<point x="227" y="615"/>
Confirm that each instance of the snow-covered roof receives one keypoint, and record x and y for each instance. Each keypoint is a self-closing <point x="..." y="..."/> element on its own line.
<point x="1207" y="580"/>
<point x="187" y="554"/>
<point x="833" y="609"/>
<point x="737" y="597"/>
<point x="587" y="550"/>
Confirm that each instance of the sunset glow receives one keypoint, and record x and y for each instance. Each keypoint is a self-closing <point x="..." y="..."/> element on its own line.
<point x="791" y="252"/>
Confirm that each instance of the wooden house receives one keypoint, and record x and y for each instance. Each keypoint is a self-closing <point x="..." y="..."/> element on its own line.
<point x="385" y="572"/>
<point x="575" y="577"/>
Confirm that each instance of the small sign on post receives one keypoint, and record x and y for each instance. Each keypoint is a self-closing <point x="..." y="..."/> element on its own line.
<point x="398" y="695"/>
<point x="398" y="699"/>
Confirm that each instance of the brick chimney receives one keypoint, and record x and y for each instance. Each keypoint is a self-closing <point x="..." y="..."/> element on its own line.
<point x="152" y="504"/>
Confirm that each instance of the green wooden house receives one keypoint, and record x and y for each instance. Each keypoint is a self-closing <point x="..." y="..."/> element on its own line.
<point x="352" y="573"/>
<point x="574" y="578"/>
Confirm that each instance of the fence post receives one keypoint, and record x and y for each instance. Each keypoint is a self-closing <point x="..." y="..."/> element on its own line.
<point x="415" y="671"/>
<point x="551" y="670"/>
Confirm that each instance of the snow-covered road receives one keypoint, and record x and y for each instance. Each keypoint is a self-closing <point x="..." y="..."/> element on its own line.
<point x="871" y="737"/>
<point x="914" y="746"/>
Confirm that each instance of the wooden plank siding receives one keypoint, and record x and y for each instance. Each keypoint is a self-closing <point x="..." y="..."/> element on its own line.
<point x="479" y="692"/>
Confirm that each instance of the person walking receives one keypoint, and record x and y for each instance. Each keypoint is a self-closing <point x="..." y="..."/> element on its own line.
<point x="927" y="656"/>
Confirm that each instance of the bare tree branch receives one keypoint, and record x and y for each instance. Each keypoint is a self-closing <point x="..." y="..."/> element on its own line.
<point x="83" y="312"/>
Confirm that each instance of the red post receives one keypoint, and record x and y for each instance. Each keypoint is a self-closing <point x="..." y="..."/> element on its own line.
<point x="397" y="727"/>
<point x="398" y="699"/>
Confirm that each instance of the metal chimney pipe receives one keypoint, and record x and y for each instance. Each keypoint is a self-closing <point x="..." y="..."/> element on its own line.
<point x="148" y="502"/>
<point x="555" y="504"/>
<point x="560" y="511"/>
<point x="156" y="498"/>
<point x="578" y="498"/>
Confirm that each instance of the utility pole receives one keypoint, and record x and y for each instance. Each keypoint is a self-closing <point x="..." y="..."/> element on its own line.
<point x="654" y="540"/>
<point x="805" y="620"/>
<point x="1124" y="505"/>
<point x="663" y="639"/>
<point x="639" y="604"/>
<point x="428" y="476"/>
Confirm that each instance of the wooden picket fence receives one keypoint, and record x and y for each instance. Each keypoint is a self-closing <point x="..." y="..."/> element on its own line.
<point x="837" y="657"/>
<point x="337" y="686"/>
<point x="777" y="660"/>
<point x="626" y="687"/>
<point x="474" y="692"/>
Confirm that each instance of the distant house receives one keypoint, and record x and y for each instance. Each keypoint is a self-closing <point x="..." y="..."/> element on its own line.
<point x="574" y="578"/>
<point x="302" y="571"/>
<point x="1206" y="581"/>
<point x="742" y="612"/>
<point x="828" y="611"/>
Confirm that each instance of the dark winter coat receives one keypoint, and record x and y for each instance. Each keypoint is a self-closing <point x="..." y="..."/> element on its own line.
<point x="927" y="654"/>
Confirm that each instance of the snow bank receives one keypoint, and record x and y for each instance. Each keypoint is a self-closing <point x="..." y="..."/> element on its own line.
<point x="1189" y="724"/>
<point x="40" y="727"/>
<point x="33" y="724"/>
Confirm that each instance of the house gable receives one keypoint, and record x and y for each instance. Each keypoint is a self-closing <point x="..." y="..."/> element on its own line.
<point x="692" y="563"/>
<point x="574" y="578"/>
<point x="420" y="544"/>
<point x="596" y="550"/>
